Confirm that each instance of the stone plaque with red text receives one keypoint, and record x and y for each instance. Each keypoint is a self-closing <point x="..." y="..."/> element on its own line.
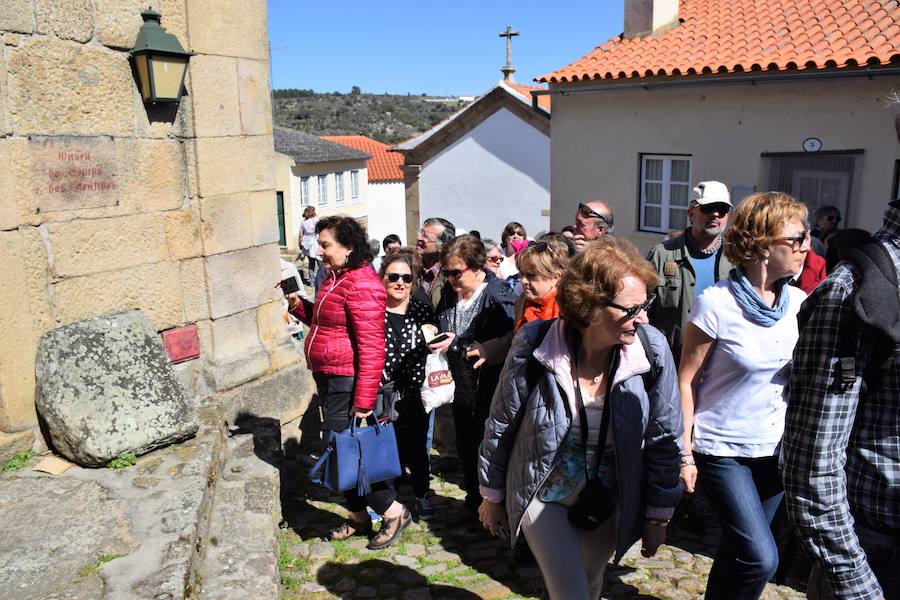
<point x="69" y="173"/>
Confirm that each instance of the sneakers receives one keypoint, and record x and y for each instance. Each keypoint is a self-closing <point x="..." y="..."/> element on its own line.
<point x="424" y="508"/>
<point x="350" y="528"/>
<point x="390" y="530"/>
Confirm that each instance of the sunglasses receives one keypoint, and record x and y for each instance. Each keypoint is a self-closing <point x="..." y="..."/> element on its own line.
<point x="590" y="213"/>
<point x="834" y="218"/>
<point x="453" y="273"/>
<point x="495" y="259"/>
<point x="395" y="277"/>
<point x="798" y="240"/>
<point x="719" y="207"/>
<point x="633" y="311"/>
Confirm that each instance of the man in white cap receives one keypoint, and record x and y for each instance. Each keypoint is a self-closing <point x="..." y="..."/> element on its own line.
<point x="691" y="262"/>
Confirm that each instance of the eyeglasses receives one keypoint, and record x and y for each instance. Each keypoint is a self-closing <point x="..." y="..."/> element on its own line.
<point x="719" y="207"/>
<point x="798" y="240"/>
<point x="395" y="277"/>
<point x="495" y="259"/>
<point x="453" y="273"/>
<point x="590" y="213"/>
<point x="421" y="233"/>
<point x="633" y="311"/>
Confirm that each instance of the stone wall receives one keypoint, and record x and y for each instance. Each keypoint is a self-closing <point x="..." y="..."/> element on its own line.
<point x="106" y="204"/>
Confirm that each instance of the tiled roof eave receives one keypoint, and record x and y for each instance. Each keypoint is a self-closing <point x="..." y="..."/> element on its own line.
<point x="721" y="75"/>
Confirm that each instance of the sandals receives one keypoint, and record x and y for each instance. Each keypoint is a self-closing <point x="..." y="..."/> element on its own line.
<point x="390" y="530"/>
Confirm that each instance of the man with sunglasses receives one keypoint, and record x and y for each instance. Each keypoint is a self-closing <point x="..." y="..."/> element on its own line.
<point x="825" y="222"/>
<point x="691" y="262"/>
<point x="592" y="220"/>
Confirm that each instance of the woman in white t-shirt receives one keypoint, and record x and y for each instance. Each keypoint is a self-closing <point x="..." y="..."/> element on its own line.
<point x="735" y="365"/>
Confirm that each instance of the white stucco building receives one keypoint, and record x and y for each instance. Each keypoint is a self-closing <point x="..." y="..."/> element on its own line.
<point x="758" y="94"/>
<point x="310" y="171"/>
<point x="484" y="166"/>
<point x="386" y="194"/>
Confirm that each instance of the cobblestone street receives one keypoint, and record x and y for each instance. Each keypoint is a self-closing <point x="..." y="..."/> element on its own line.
<point x="452" y="557"/>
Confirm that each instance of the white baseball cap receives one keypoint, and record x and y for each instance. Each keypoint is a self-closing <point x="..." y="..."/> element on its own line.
<point x="711" y="192"/>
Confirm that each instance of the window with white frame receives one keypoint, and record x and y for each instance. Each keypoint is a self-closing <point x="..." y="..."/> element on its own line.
<point x="304" y="191"/>
<point x="322" y="189"/>
<point x="665" y="192"/>
<point x="354" y="184"/>
<point x="339" y="187"/>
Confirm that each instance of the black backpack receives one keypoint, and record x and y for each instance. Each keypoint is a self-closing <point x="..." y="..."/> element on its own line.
<point x="876" y="305"/>
<point x="534" y="369"/>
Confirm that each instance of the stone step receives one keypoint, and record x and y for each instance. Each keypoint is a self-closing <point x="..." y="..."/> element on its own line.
<point x="107" y="534"/>
<point x="240" y="555"/>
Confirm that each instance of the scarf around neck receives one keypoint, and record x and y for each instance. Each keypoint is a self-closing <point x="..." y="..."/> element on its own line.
<point x="752" y="304"/>
<point x="544" y="309"/>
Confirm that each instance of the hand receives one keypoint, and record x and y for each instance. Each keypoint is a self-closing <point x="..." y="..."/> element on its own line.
<point x="442" y="346"/>
<point x="654" y="535"/>
<point x="477" y="350"/>
<point x="293" y="300"/>
<point x="689" y="478"/>
<point x="580" y="242"/>
<point x="493" y="517"/>
<point x="360" y="413"/>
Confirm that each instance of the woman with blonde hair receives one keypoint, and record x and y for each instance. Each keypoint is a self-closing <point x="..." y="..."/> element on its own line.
<point x="735" y="364"/>
<point x="580" y="451"/>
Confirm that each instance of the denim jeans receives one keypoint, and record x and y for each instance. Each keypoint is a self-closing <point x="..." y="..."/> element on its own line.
<point x="744" y="494"/>
<point x="882" y="548"/>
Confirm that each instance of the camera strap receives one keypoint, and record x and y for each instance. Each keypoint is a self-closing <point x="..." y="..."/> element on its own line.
<point x="582" y="413"/>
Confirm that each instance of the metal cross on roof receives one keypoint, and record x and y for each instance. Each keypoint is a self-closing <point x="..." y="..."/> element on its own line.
<point x="508" y="70"/>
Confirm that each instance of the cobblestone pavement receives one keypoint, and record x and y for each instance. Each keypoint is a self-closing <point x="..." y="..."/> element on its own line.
<point x="452" y="557"/>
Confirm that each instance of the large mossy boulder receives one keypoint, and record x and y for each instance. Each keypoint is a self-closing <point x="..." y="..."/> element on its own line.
<point x="105" y="387"/>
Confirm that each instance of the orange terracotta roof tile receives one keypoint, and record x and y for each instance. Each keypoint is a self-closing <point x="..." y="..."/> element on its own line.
<point x="732" y="36"/>
<point x="525" y="90"/>
<point x="384" y="166"/>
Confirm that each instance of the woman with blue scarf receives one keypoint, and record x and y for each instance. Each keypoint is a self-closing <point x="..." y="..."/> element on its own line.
<point x="735" y="366"/>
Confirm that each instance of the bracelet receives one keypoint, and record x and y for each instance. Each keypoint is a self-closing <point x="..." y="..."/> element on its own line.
<point x="688" y="460"/>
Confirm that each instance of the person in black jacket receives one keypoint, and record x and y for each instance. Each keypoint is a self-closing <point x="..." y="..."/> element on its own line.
<point x="475" y="306"/>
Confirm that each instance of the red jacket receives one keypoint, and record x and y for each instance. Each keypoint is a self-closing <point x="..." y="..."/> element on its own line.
<point x="346" y="335"/>
<point x="813" y="272"/>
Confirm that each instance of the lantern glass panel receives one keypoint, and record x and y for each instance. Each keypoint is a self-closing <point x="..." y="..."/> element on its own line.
<point x="168" y="75"/>
<point x="140" y="61"/>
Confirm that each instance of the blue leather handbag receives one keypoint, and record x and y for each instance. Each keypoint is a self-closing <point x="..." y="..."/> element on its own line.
<point x="358" y="457"/>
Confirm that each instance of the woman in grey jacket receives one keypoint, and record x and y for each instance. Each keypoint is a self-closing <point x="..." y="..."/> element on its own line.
<point x="581" y="450"/>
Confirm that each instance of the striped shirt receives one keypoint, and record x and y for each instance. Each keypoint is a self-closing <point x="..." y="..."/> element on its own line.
<point x="841" y="449"/>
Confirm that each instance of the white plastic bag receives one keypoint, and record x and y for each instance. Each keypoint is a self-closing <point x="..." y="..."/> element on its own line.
<point x="438" y="387"/>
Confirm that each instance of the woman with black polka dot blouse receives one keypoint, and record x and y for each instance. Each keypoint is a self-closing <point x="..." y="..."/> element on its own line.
<point x="404" y="365"/>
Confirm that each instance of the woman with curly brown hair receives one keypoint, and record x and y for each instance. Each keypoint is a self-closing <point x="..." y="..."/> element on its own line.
<point x="580" y="452"/>
<point x="735" y="364"/>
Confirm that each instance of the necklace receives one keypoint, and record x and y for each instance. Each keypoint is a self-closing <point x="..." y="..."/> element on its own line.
<point x="695" y="249"/>
<point x="597" y="379"/>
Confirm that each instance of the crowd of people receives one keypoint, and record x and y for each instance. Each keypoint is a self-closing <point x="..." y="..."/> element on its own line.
<point x="593" y="386"/>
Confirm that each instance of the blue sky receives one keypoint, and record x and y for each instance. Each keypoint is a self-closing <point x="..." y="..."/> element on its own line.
<point x="441" y="48"/>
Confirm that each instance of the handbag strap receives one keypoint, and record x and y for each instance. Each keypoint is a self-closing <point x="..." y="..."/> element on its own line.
<point x="582" y="413"/>
<point x="320" y="464"/>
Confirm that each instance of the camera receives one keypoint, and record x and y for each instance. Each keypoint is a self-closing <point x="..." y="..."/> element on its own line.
<point x="595" y="505"/>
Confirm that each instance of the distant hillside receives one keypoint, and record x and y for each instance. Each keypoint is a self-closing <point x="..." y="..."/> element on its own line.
<point x="386" y="118"/>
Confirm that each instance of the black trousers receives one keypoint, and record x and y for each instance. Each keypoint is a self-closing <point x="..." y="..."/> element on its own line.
<point x="469" y="422"/>
<point x="412" y="430"/>
<point x="336" y="399"/>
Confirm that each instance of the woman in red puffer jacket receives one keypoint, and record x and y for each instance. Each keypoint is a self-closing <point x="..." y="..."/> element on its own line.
<point x="345" y="352"/>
